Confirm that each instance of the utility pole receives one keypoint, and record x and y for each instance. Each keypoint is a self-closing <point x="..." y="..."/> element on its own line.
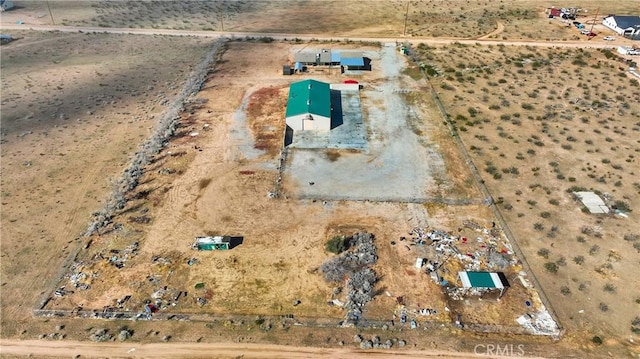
<point x="594" y="20"/>
<point x="50" y="13"/>
<point x="222" y="14"/>
<point x="406" y="15"/>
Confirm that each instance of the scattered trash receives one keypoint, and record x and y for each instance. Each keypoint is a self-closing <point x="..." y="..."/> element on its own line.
<point x="193" y="261"/>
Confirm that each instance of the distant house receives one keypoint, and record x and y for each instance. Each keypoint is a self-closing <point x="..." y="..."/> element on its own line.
<point x="6" y="5"/>
<point x="309" y="106"/>
<point x="627" y="26"/>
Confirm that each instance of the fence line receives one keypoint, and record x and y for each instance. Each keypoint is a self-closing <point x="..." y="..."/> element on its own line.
<point x="420" y="200"/>
<point x="312" y="322"/>
<point x="496" y="211"/>
<point x="191" y="87"/>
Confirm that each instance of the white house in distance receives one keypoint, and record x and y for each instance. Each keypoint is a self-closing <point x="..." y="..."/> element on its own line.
<point x="309" y="106"/>
<point x="627" y="26"/>
<point x="6" y="5"/>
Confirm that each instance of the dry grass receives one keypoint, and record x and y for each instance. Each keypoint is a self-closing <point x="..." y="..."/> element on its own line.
<point x="265" y="109"/>
<point x="73" y="111"/>
<point x="538" y="122"/>
<point x="522" y="19"/>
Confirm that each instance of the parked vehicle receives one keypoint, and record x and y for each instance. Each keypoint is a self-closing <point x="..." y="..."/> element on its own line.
<point x="609" y="38"/>
<point x="584" y="32"/>
<point x="592" y="34"/>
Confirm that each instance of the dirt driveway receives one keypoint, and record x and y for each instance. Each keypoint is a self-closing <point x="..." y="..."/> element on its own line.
<point x="197" y="350"/>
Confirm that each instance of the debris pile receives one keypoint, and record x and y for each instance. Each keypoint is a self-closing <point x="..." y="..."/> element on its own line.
<point x="353" y="265"/>
<point x="79" y="278"/>
<point x="376" y="343"/>
<point x="539" y="323"/>
<point x="101" y="335"/>
<point x="118" y="258"/>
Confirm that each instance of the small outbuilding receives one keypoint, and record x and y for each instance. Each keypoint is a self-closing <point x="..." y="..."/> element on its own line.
<point x="352" y="60"/>
<point x="309" y="106"/>
<point x="319" y="58"/>
<point x="212" y="243"/>
<point x="6" y="5"/>
<point x="484" y="280"/>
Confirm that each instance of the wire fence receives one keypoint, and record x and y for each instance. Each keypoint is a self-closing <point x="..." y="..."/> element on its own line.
<point x="496" y="211"/>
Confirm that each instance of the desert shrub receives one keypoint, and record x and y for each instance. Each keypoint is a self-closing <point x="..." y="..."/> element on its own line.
<point x="576" y="189"/>
<point x="578" y="260"/>
<point x="609" y="288"/>
<point x="635" y="325"/>
<point x="554" y="202"/>
<point x="622" y="206"/>
<point x="337" y="244"/>
<point x="603" y="307"/>
<point x="543" y="252"/>
<point x="551" y="267"/>
<point x="631" y="237"/>
<point x="596" y="339"/>
<point x="538" y="226"/>
<point x="565" y="290"/>
<point x="594" y="249"/>
<point x="545" y="214"/>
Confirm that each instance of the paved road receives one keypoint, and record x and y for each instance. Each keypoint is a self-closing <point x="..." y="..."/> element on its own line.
<point x="595" y="43"/>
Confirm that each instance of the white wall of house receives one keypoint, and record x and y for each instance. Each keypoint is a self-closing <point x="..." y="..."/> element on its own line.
<point x="301" y="123"/>
<point x="610" y="23"/>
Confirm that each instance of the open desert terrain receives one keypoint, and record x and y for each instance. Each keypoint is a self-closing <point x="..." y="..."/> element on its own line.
<point x="117" y="150"/>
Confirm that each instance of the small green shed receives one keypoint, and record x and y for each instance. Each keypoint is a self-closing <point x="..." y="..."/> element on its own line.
<point x="212" y="243"/>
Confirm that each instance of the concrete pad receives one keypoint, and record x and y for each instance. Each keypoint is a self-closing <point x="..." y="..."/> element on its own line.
<point x="593" y="202"/>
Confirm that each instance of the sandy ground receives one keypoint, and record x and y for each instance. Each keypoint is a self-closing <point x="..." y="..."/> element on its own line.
<point x="591" y="287"/>
<point x="227" y="350"/>
<point x="72" y="225"/>
<point x="70" y="119"/>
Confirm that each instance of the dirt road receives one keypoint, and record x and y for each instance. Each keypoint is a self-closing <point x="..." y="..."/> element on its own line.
<point x="280" y="36"/>
<point x="70" y="349"/>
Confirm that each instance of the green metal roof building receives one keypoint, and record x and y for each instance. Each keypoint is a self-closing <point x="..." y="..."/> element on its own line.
<point x="309" y="106"/>
<point x="484" y="280"/>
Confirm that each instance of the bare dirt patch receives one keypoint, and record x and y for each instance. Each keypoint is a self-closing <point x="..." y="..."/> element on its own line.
<point x="70" y="119"/>
<point x="538" y="123"/>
